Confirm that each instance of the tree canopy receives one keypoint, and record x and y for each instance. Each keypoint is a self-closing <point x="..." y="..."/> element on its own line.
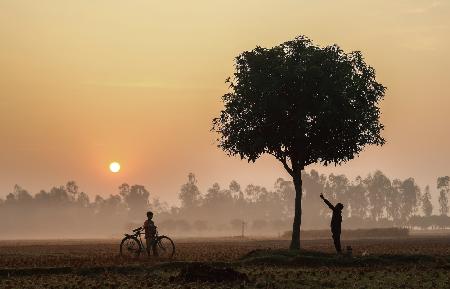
<point x="298" y="100"/>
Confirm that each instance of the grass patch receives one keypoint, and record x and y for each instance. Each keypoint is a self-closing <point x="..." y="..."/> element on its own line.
<point x="267" y="257"/>
<point x="319" y="259"/>
<point x="353" y="234"/>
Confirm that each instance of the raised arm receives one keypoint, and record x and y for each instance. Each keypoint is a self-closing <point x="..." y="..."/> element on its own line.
<point x="327" y="202"/>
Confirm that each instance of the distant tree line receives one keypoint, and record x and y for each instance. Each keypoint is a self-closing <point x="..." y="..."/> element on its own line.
<point x="371" y="202"/>
<point x="65" y="211"/>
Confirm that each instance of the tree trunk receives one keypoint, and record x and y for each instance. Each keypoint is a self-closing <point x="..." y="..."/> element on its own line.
<point x="295" y="243"/>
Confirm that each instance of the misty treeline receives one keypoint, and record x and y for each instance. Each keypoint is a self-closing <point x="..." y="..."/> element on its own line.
<point x="372" y="202"/>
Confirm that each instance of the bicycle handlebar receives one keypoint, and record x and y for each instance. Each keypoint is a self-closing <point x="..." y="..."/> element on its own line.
<point x="140" y="229"/>
<point x="137" y="229"/>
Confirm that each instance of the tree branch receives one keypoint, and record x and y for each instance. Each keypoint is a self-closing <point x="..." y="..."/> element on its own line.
<point x="285" y="165"/>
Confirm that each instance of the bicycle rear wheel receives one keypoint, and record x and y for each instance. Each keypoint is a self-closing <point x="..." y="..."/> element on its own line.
<point x="130" y="247"/>
<point x="165" y="247"/>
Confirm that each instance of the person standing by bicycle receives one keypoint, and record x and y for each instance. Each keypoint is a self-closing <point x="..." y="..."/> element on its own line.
<point x="150" y="232"/>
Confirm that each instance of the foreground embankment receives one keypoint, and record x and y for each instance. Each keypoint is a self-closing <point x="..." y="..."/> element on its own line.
<point x="416" y="262"/>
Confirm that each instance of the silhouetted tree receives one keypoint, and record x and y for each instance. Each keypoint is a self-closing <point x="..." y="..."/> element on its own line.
<point x="394" y="201"/>
<point x="302" y="104"/>
<point x="427" y="206"/>
<point x="313" y="185"/>
<point x="59" y="196"/>
<point x="19" y="196"/>
<point x="158" y="207"/>
<point x="269" y="206"/>
<point x="378" y="187"/>
<point x="444" y="188"/>
<point x="410" y="193"/>
<point x="235" y="190"/>
<point x="240" y="203"/>
<point x="337" y="190"/>
<point x="219" y="203"/>
<point x="443" y="203"/>
<point x="286" y="191"/>
<point x="253" y="192"/>
<point x="111" y="206"/>
<point x="72" y="189"/>
<point x="357" y="199"/>
<point x="83" y="200"/>
<point x="136" y="199"/>
<point x="190" y="194"/>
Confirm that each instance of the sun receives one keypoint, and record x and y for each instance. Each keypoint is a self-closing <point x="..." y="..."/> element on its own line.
<point x="114" y="167"/>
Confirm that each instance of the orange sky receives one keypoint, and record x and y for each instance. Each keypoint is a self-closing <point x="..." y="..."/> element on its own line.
<point x="86" y="82"/>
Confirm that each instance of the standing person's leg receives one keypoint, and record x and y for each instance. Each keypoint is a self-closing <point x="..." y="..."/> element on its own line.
<point x="337" y="241"/>
<point x="154" y="247"/>
<point x="148" y="244"/>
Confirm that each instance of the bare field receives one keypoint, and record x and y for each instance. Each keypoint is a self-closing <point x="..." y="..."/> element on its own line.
<point x="19" y="254"/>
<point x="104" y="253"/>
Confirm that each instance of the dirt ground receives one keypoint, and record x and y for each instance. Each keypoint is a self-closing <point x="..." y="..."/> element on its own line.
<point x="103" y="256"/>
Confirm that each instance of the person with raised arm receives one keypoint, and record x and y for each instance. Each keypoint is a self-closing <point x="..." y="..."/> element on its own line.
<point x="336" y="221"/>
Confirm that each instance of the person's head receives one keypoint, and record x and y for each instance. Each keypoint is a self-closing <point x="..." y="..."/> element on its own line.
<point x="339" y="206"/>
<point x="149" y="214"/>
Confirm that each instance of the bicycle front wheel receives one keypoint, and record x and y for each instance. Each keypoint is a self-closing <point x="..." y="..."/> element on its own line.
<point x="165" y="247"/>
<point x="130" y="247"/>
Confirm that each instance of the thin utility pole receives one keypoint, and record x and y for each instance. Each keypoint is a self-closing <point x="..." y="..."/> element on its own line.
<point x="243" y="228"/>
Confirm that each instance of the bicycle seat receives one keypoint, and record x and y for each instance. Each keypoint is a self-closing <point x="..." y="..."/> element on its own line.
<point x="137" y="230"/>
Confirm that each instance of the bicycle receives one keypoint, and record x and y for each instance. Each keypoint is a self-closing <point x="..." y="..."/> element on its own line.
<point x="132" y="245"/>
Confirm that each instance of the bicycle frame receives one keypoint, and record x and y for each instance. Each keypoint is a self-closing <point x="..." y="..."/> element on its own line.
<point x="143" y="246"/>
<point x="138" y="235"/>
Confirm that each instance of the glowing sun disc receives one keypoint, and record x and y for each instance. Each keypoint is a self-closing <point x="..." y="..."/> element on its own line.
<point x="114" y="167"/>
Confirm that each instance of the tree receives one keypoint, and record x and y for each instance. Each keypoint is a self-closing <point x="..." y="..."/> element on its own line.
<point x="410" y="193"/>
<point x="443" y="185"/>
<point x="394" y="201"/>
<point x="72" y="189"/>
<point x="109" y="207"/>
<point x="286" y="191"/>
<point x="190" y="194"/>
<point x="136" y="199"/>
<point x="303" y="104"/>
<point x="427" y="207"/>
<point x="378" y="187"/>
<point x="313" y="185"/>
<point x="217" y="198"/>
<point x="19" y="196"/>
<point x="83" y="200"/>
<point x="443" y="203"/>
<point x="59" y="196"/>
<point x="158" y="207"/>
<point x="239" y="199"/>
<point x="337" y="188"/>
<point x="357" y="199"/>
<point x="235" y="190"/>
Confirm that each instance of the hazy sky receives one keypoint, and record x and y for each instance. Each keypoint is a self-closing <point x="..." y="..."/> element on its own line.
<point x="86" y="82"/>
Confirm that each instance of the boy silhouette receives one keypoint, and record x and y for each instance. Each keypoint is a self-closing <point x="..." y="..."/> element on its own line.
<point x="150" y="232"/>
<point x="336" y="221"/>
